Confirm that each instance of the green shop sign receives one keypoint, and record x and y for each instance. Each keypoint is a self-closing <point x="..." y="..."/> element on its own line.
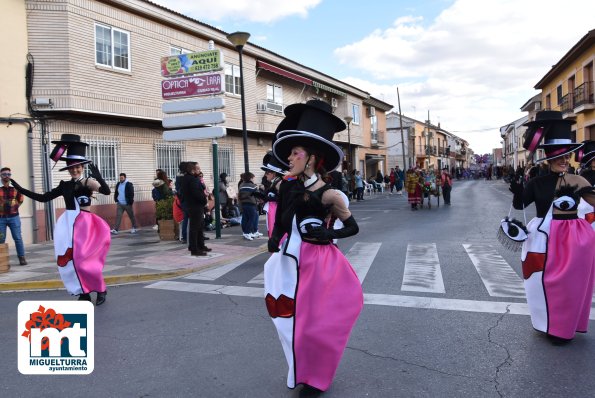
<point x="183" y="64"/>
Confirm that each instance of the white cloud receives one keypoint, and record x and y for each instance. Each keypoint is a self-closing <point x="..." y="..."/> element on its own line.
<point x="255" y="11"/>
<point x="473" y="66"/>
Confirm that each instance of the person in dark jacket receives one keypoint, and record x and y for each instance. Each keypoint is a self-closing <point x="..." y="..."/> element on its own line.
<point x="194" y="201"/>
<point x="124" y="198"/>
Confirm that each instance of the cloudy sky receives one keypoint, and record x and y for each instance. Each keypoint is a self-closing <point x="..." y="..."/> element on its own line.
<point x="472" y="64"/>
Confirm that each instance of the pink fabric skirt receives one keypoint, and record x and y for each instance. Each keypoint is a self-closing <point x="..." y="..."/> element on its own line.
<point x="568" y="276"/>
<point x="81" y="242"/>
<point x="328" y="301"/>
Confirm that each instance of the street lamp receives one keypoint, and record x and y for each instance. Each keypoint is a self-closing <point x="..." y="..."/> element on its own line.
<point x="239" y="40"/>
<point x="348" y="119"/>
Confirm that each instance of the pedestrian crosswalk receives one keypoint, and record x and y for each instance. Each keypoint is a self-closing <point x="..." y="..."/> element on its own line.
<point x="422" y="269"/>
<point x="422" y="273"/>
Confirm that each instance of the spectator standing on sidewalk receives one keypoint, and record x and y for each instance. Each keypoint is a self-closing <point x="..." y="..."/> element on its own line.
<point x="178" y="208"/>
<point x="392" y="178"/>
<point x="124" y="198"/>
<point x="399" y="180"/>
<point x="249" y="202"/>
<point x="359" y="186"/>
<point x="194" y="201"/>
<point x="10" y="201"/>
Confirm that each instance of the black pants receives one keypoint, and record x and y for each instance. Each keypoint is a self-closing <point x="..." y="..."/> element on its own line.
<point x="196" y="225"/>
<point x="446" y="193"/>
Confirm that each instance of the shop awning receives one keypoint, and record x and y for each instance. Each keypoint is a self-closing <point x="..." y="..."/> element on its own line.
<point x="283" y="72"/>
<point x="329" y="89"/>
<point x="374" y="158"/>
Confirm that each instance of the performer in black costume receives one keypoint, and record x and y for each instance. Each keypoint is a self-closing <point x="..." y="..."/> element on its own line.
<point x="81" y="239"/>
<point x="559" y="253"/>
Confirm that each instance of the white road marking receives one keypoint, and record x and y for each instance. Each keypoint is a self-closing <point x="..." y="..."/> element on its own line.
<point x="20" y="275"/>
<point x="212" y="274"/>
<point x="361" y="256"/>
<point x="208" y="288"/>
<point x="422" y="269"/>
<point x="497" y="276"/>
<point x="389" y="300"/>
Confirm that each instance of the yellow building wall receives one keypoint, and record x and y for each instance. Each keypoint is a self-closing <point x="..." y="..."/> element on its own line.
<point x="14" y="152"/>
<point x="585" y="118"/>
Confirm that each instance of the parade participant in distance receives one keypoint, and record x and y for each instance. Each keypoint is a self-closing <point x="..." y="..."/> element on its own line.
<point x="273" y="172"/>
<point x="311" y="290"/>
<point x="559" y="253"/>
<point x="81" y="239"/>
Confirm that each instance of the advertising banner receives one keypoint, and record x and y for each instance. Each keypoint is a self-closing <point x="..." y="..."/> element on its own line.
<point x="183" y="64"/>
<point x="192" y="86"/>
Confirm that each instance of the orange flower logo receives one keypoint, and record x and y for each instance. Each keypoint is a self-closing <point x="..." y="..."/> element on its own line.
<point x="43" y="319"/>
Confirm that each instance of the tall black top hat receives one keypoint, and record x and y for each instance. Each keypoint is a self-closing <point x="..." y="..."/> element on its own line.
<point x="311" y="125"/>
<point x="271" y="163"/>
<point x="554" y="130"/>
<point x="74" y="148"/>
<point x="586" y="154"/>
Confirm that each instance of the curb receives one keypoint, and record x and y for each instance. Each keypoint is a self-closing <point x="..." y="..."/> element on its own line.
<point x="53" y="284"/>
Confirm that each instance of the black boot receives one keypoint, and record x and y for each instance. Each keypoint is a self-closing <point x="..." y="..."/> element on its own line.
<point x="84" y="297"/>
<point x="101" y="298"/>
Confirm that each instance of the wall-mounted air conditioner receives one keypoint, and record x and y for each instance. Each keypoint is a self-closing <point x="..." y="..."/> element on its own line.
<point x="371" y="111"/>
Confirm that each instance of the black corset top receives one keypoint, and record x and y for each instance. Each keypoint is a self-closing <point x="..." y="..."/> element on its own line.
<point x="310" y="211"/>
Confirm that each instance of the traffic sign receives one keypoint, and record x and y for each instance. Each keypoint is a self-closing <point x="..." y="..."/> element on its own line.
<point x="195" y="133"/>
<point x="199" y="104"/>
<point x="183" y="64"/>
<point x="194" y="120"/>
<point x="190" y="86"/>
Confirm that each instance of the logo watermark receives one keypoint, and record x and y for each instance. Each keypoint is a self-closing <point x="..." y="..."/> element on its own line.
<point x="56" y="337"/>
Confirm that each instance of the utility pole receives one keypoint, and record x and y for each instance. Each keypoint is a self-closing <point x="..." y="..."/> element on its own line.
<point x="401" y="124"/>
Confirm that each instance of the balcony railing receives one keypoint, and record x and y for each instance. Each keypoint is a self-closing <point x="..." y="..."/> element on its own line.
<point x="583" y="94"/>
<point x="566" y="104"/>
<point x="377" y="137"/>
<point x="426" y="150"/>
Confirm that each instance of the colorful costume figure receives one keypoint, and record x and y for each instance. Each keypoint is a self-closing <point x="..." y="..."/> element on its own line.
<point x="311" y="291"/>
<point x="413" y="189"/>
<point x="558" y="257"/>
<point x="81" y="239"/>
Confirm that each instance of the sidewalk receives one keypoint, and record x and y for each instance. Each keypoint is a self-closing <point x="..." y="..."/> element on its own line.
<point x="139" y="257"/>
<point x="133" y="258"/>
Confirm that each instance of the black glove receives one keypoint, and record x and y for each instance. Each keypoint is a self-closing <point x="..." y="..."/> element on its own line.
<point x="516" y="187"/>
<point x="40" y="197"/>
<point x="350" y="228"/>
<point x="273" y="244"/>
<point x="103" y="187"/>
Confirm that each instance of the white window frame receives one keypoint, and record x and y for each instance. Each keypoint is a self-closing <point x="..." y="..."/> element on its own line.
<point x="232" y="79"/>
<point x="355" y="109"/>
<point x="112" y="49"/>
<point x="104" y="153"/>
<point x="273" y="88"/>
<point x="168" y="156"/>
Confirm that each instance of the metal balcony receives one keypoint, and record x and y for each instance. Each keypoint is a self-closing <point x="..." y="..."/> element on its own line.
<point x="566" y="106"/>
<point x="583" y="97"/>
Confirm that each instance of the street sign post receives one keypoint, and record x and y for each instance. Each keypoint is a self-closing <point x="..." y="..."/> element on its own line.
<point x="199" y="104"/>
<point x="197" y="133"/>
<point x="193" y="120"/>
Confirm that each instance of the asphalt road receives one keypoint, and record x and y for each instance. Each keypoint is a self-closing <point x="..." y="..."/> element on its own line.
<point x="444" y="317"/>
